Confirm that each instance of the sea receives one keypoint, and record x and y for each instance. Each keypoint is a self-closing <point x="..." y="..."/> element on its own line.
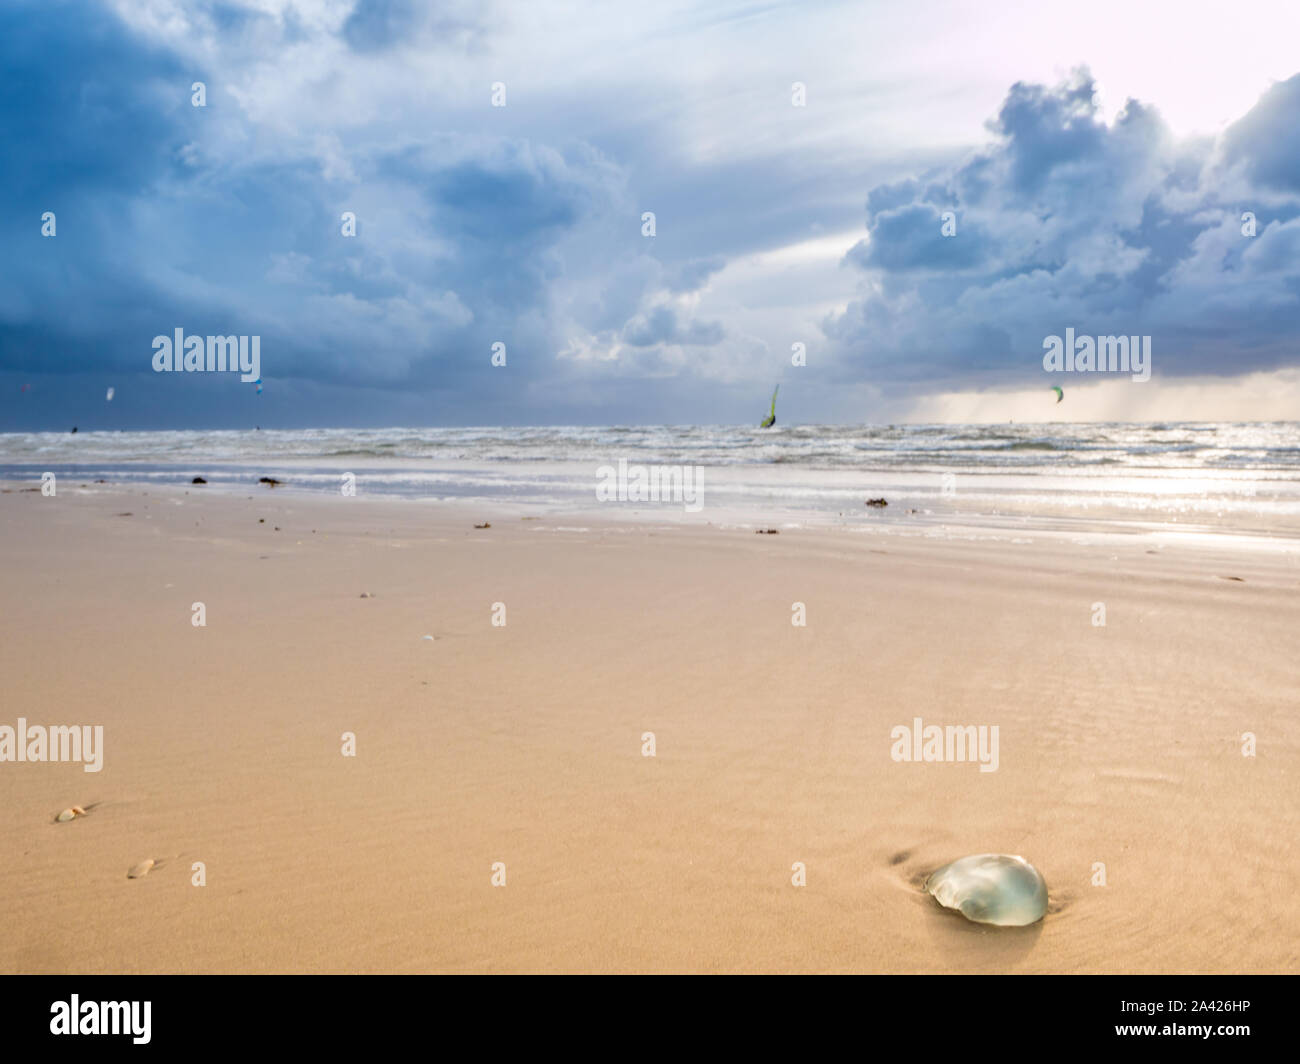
<point x="1216" y="476"/>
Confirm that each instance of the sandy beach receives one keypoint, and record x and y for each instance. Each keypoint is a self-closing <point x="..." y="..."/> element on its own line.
<point x="523" y="743"/>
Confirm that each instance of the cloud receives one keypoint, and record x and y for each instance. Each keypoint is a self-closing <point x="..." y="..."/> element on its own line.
<point x="378" y="25"/>
<point x="694" y="274"/>
<point x="1065" y="220"/>
<point x="1267" y="140"/>
<point x="662" y="326"/>
<point x="521" y="224"/>
<point x="464" y="238"/>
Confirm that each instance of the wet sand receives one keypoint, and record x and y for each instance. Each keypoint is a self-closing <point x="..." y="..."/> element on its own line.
<point x="1119" y="745"/>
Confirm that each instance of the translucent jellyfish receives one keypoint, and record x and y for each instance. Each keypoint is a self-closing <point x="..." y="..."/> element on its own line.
<point x="991" y="888"/>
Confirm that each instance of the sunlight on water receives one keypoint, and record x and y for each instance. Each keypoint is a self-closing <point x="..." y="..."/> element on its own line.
<point x="1242" y="476"/>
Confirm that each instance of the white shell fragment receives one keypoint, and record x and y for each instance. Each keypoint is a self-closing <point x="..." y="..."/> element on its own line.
<point x="69" y="814"/>
<point x="991" y="888"/>
<point x="141" y="870"/>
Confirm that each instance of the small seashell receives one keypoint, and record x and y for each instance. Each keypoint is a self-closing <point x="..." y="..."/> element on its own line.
<point x="66" y="815"/>
<point x="141" y="870"/>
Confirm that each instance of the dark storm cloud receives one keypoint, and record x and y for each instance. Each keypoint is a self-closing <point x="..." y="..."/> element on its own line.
<point x="522" y="225"/>
<point x="162" y="224"/>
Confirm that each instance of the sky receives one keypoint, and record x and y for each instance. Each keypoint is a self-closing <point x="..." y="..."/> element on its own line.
<point x="1110" y="168"/>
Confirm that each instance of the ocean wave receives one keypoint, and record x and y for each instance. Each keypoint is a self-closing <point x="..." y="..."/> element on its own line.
<point x="1268" y="447"/>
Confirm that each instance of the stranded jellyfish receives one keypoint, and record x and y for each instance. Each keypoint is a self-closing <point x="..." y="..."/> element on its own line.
<point x="991" y="888"/>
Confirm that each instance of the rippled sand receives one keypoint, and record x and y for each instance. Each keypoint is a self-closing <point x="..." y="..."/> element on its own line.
<point x="1120" y="746"/>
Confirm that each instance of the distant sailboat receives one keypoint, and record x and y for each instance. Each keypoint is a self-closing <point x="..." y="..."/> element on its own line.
<point x="770" y="420"/>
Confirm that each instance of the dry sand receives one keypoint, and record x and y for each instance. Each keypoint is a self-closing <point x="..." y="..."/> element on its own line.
<point x="522" y="744"/>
